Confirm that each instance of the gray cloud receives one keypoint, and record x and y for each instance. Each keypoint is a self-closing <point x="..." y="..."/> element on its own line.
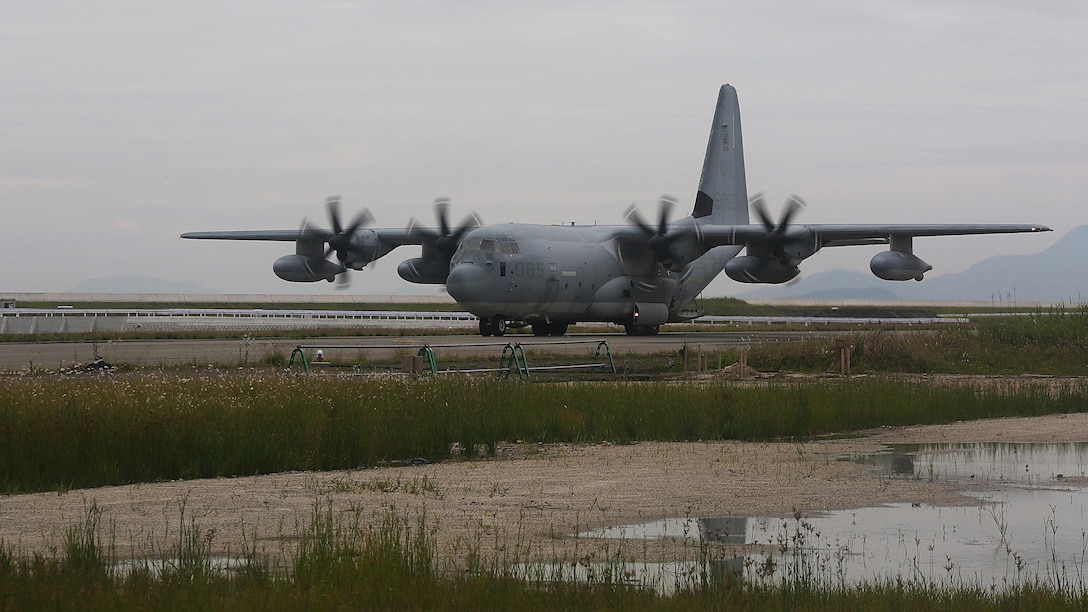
<point x="201" y="115"/>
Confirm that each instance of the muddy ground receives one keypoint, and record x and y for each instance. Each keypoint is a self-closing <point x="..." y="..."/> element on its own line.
<point x="527" y="502"/>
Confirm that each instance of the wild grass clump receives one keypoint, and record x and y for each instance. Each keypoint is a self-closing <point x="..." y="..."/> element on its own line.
<point x="87" y="432"/>
<point x="936" y="351"/>
<point x="84" y="552"/>
<point x="391" y="562"/>
<point x="1053" y="342"/>
<point x="1058" y="327"/>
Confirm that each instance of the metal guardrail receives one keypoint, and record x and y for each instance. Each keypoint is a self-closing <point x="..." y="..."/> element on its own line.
<point x="241" y="313"/>
<point x="597" y="363"/>
<point x="111" y="320"/>
<point x="512" y="360"/>
<point x="720" y="320"/>
<point x="259" y="313"/>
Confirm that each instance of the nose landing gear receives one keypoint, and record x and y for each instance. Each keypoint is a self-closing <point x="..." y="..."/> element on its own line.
<point x="641" y="330"/>
<point x="492" y="326"/>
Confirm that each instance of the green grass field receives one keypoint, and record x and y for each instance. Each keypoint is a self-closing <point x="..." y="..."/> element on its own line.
<point x="102" y="431"/>
<point x="64" y="432"/>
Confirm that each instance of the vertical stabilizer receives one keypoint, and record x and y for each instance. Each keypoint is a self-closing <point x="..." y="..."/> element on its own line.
<point x="723" y="194"/>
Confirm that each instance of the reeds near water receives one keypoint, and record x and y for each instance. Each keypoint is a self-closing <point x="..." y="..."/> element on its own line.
<point x="74" y="432"/>
<point x="391" y="562"/>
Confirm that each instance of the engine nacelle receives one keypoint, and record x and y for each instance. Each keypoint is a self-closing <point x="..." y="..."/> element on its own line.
<point x="898" y="266"/>
<point x="424" y="271"/>
<point x="750" y="269"/>
<point x="302" y="269"/>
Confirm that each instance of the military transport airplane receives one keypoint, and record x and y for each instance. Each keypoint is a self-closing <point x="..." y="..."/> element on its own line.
<point x="638" y="275"/>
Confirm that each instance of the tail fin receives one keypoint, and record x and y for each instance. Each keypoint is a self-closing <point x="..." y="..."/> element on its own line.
<point x="723" y="194"/>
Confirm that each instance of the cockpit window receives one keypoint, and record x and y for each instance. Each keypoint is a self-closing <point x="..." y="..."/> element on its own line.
<point x="502" y="244"/>
<point x="507" y="246"/>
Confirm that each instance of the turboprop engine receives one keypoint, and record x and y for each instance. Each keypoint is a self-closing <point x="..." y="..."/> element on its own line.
<point x="302" y="269"/>
<point x="424" y="270"/>
<point x="353" y="246"/>
<point x="750" y="269"/>
<point x="775" y="259"/>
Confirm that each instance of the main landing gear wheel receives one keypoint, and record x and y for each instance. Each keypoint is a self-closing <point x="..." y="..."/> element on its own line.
<point x="641" y="330"/>
<point x="492" y="326"/>
<point x="554" y="328"/>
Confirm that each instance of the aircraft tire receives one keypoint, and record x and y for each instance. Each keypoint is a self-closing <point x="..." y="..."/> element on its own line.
<point x="641" y="330"/>
<point x="554" y="328"/>
<point x="492" y="326"/>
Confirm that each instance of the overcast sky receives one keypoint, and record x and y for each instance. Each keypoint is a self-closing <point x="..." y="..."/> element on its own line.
<point x="124" y="124"/>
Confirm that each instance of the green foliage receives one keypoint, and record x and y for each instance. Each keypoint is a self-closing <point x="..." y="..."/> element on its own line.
<point x="1057" y="328"/>
<point x="274" y="359"/>
<point x="1055" y="342"/>
<point x="57" y="434"/>
<point x="83" y="550"/>
<point x="342" y="562"/>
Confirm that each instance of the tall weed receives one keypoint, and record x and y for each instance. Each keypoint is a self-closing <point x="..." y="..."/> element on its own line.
<point x="124" y="430"/>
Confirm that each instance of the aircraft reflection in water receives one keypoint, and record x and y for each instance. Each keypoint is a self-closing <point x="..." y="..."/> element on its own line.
<point x="638" y="275"/>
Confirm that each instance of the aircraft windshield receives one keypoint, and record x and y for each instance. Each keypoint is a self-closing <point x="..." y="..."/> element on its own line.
<point x="502" y="244"/>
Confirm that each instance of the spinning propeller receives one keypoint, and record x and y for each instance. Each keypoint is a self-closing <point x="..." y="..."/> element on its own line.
<point x="777" y="238"/>
<point x="443" y="241"/>
<point x="659" y="239"/>
<point x="339" y="238"/>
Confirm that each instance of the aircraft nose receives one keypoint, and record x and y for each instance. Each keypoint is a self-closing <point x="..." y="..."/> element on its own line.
<point x="465" y="281"/>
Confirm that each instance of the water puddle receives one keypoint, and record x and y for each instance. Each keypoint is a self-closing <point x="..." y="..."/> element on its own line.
<point x="1029" y="525"/>
<point x="998" y="463"/>
<point x="157" y="567"/>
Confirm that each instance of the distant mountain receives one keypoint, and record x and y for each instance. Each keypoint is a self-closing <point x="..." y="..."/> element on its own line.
<point x="837" y="284"/>
<point x="138" y="284"/>
<point x="1056" y="274"/>
<point x="853" y="293"/>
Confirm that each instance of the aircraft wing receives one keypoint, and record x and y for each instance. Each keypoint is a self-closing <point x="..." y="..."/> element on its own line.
<point x="847" y="235"/>
<point x="393" y="236"/>
<point x="775" y="250"/>
<point x="280" y="235"/>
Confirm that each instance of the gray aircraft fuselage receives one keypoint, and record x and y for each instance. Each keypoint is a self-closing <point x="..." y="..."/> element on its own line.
<point x="544" y="274"/>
